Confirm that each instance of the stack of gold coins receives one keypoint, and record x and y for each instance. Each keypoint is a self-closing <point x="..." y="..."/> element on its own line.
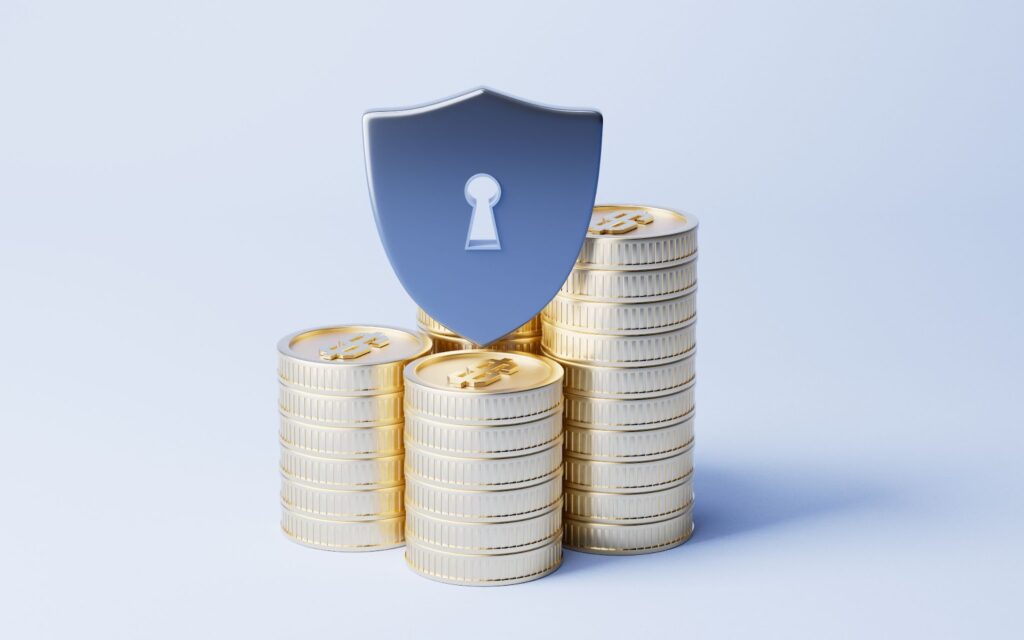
<point x="623" y="326"/>
<point x="526" y="338"/>
<point x="483" y="467"/>
<point x="341" y="435"/>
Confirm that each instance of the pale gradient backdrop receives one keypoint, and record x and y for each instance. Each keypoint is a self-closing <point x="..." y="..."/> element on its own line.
<point x="182" y="183"/>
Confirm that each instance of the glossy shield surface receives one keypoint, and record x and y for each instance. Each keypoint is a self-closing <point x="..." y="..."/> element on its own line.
<point x="418" y="164"/>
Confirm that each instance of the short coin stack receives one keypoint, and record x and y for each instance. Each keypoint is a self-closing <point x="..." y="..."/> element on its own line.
<point x="341" y="435"/>
<point x="526" y="338"/>
<point x="483" y="443"/>
<point x="623" y="329"/>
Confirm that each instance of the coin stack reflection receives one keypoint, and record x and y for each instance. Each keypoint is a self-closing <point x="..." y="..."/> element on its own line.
<point x="526" y="338"/>
<point x="623" y="327"/>
<point x="483" y="467"/>
<point x="340" y="407"/>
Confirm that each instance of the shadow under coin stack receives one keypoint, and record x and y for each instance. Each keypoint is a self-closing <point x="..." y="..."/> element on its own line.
<point x="341" y="435"/>
<point x="623" y="327"/>
<point x="526" y="338"/>
<point x="483" y="442"/>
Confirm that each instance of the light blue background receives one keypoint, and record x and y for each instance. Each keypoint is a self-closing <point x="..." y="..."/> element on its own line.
<point x="182" y="183"/>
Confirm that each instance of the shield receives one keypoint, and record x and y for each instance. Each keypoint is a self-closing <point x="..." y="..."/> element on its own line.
<point x="482" y="202"/>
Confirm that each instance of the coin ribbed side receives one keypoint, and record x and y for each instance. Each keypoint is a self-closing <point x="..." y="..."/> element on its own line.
<point x="333" y="535"/>
<point x="624" y="446"/>
<point x="631" y="286"/>
<point x="483" y="570"/>
<point x="638" y="253"/>
<point x="334" y="379"/>
<point x="476" y="441"/>
<point x="331" y="473"/>
<point x="628" y="477"/>
<point x="629" y="508"/>
<point x="483" y="473"/>
<point x="529" y="344"/>
<point x="341" y="442"/>
<point x="620" y="351"/>
<point x="482" y="506"/>
<point x="630" y="539"/>
<point x="327" y="504"/>
<point x="628" y="382"/>
<point x="484" y="538"/>
<point x="627" y="415"/>
<point x="428" y="324"/>
<point x="621" y="318"/>
<point x="480" y="408"/>
<point x="340" y="411"/>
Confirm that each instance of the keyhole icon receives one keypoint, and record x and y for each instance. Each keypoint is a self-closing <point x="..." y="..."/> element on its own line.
<point x="482" y="193"/>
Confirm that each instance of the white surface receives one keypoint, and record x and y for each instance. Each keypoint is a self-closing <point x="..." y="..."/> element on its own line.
<point x="182" y="185"/>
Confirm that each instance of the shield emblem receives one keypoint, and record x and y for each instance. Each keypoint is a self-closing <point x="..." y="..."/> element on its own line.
<point x="482" y="202"/>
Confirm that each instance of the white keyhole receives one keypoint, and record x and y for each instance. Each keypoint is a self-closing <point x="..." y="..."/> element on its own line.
<point x="482" y="193"/>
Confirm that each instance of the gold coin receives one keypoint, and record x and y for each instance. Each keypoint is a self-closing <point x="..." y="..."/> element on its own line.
<point x="629" y="415"/>
<point x="626" y="446"/>
<point x="348" y="360"/>
<point x="331" y="504"/>
<point x="483" y="570"/>
<point x="428" y="324"/>
<point x="484" y="538"/>
<point x="334" y="535"/>
<point x="628" y="477"/>
<point x="628" y="508"/>
<point x="630" y="539"/>
<point x="482" y="506"/>
<point x="483" y="387"/>
<point x="637" y="237"/>
<point x="621" y="318"/>
<point x="530" y="344"/>
<point x="599" y="285"/>
<point x="619" y="351"/>
<point x="625" y="383"/>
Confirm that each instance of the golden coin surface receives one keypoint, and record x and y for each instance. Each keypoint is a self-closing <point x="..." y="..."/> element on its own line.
<point x="484" y="474"/>
<point x="482" y="506"/>
<point x="630" y="539"/>
<point x="334" y="535"/>
<point x="430" y="325"/>
<point x="339" y="411"/>
<point x="625" y="446"/>
<point x="329" y="504"/>
<point x="619" y="351"/>
<point x="483" y="387"/>
<point x="528" y="344"/>
<point x="483" y="570"/>
<point x="625" y="383"/>
<point x="348" y="360"/>
<point x="483" y="372"/>
<point x="345" y="475"/>
<point x="629" y="415"/>
<point x="483" y="441"/>
<point x="341" y="442"/>
<point x="628" y="477"/>
<point x="621" y="318"/>
<point x="628" y="508"/>
<point x="637" y="237"/>
<point x="598" y="285"/>
<point x="484" y="538"/>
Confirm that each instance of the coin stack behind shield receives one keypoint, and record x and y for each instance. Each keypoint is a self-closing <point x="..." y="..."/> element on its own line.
<point x="623" y="328"/>
<point x="483" y="443"/>
<point x="341" y="435"/>
<point x="526" y="338"/>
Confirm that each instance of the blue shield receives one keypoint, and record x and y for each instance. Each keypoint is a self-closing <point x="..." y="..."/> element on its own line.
<point x="482" y="202"/>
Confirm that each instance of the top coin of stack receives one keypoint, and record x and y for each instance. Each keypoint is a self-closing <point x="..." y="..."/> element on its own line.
<point x="526" y="338"/>
<point x="341" y="435"/>
<point x="483" y="467"/>
<point x="623" y="327"/>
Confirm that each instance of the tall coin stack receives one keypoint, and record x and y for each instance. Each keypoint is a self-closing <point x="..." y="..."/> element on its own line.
<point x="341" y="435"/>
<point x="483" y="442"/>
<point x="526" y="338"/>
<point x="623" y="328"/>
